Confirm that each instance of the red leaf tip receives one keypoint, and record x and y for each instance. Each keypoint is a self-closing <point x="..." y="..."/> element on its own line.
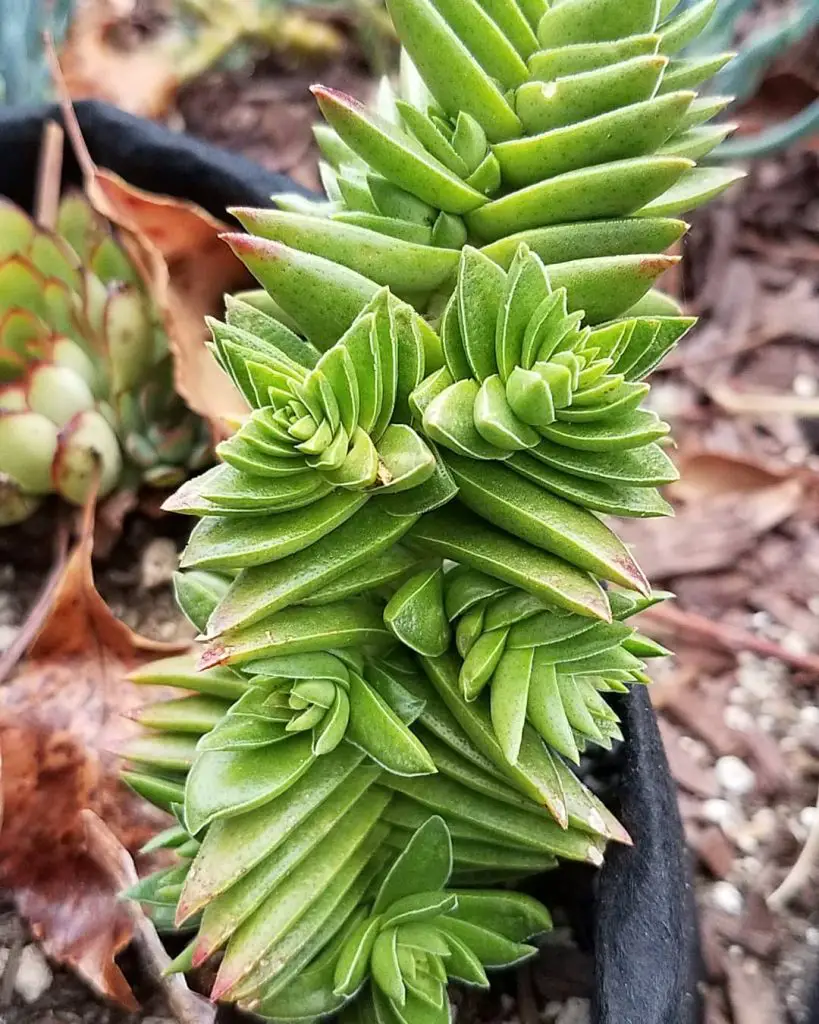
<point x="213" y="656"/>
<point x="326" y="92"/>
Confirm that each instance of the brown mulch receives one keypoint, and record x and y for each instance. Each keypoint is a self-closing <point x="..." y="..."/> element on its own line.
<point x="743" y="555"/>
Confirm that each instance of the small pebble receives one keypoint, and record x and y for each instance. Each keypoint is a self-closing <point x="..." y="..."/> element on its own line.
<point x="764" y="824"/>
<point x="695" y="748"/>
<point x="804" y="385"/>
<point x="159" y="562"/>
<point x="575" y="1011"/>
<point x="757" y="676"/>
<point x="33" y="975"/>
<point x="720" y="812"/>
<point x="727" y="897"/>
<point x="736" y="695"/>
<point x="795" y="455"/>
<point x="812" y="937"/>
<point x="738" y="718"/>
<point x="8" y="634"/>
<point x="807" y="817"/>
<point x="794" y="643"/>
<point x="734" y="775"/>
<point x="809" y="714"/>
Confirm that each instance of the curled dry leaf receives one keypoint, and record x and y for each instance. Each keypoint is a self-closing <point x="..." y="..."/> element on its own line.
<point x="189" y="268"/>
<point x="62" y="716"/>
<point x="176" y="247"/>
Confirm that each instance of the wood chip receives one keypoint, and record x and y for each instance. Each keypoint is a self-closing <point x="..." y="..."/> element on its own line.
<point x="687" y="772"/>
<point x="753" y="995"/>
<point x="714" y="850"/>
<point x="702" y="717"/>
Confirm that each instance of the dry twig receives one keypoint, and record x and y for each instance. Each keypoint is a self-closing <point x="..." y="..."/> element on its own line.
<point x="800" y="874"/>
<point x="49" y="175"/>
<point x="731" y="638"/>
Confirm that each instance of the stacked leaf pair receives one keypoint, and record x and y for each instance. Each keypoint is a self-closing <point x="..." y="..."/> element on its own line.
<point x="86" y="382"/>
<point x="334" y="715"/>
<point x="302" y="783"/>
<point x="413" y="612"/>
<point x="573" y="128"/>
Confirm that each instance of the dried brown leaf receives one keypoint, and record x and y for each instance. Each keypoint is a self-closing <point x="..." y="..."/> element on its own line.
<point x="708" y="474"/>
<point x="176" y="247"/>
<point x="62" y="716"/>
<point x="711" y="533"/>
<point x="113" y="859"/>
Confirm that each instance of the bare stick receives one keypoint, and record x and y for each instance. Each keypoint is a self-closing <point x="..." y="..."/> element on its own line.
<point x="800" y="874"/>
<point x="49" y="174"/>
<point x="731" y="638"/>
<point x="114" y="859"/>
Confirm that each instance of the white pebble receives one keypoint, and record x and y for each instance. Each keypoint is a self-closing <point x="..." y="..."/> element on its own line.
<point x="727" y="897"/>
<point x="812" y="937"/>
<point x="738" y="718"/>
<point x="720" y="812"/>
<point x="576" y="1011"/>
<point x="695" y="748"/>
<point x="764" y="823"/>
<point x="8" y="634"/>
<point x="795" y="643"/>
<point x="734" y="775"/>
<point x="33" y="975"/>
<point x="807" y="816"/>
<point x="746" y="841"/>
<point x="159" y="562"/>
<point x="809" y="714"/>
<point x="804" y="385"/>
<point x="756" y="676"/>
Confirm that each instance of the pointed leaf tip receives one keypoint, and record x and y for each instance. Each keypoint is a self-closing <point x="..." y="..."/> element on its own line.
<point x="213" y="656"/>
<point x="336" y="94"/>
<point x="243" y="244"/>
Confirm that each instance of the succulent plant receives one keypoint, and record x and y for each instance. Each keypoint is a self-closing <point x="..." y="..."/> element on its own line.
<point x="86" y="382"/>
<point x="411" y="608"/>
<point x="757" y="53"/>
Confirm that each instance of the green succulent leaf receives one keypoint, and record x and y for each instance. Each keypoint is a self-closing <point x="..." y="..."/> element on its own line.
<point x="415" y="613"/>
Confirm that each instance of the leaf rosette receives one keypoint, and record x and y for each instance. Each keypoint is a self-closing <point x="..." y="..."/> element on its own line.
<point x="418" y="934"/>
<point x="86" y="383"/>
<point x="526" y="382"/>
<point x="544" y="667"/>
<point x="322" y="422"/>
